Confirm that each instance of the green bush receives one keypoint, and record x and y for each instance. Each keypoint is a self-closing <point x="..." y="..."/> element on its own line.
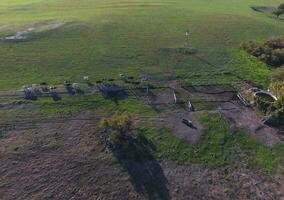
<point x="264" y="106"/>
<point x="278" y="75"/>
<point x="278" y="12"/>
<point x="117" y="126"/>
<point x="281" y="6"/>
<point x="270" y="52"/>
<point x="277" y="88"/>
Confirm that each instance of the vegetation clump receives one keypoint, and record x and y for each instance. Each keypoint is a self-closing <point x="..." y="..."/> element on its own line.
<point x="117" y="126"/>
<point x="274" y="109"/>
<point x="270" y="52"/>
<point x="124" y="141"/>
<point x="279" y="11"/>
<point x="278" y="75"/>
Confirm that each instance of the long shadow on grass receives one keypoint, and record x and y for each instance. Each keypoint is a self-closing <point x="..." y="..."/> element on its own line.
<point x="146" y="175"/>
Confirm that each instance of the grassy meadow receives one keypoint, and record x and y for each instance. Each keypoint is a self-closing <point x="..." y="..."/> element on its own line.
<point x="105" y="38"/>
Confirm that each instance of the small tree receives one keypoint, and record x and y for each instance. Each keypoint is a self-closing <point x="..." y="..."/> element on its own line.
<point x="281" y="6"/>
<point x="117" y="126"/>
<point x="278" y="12"/>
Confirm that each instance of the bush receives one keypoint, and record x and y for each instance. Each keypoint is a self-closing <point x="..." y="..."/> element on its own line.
<point x="277" y="88"/>
<point x="281" y="6"/>
<point x="270" y="52"/>
<point x="119" y="122"/>
<point x="265" y="106"/>
<point x="117" y="126"/>
<point x="276" y="118"/>
<point x="274" y="110"/>
<point x="278" y="75"/>
<point x="278" y="12"/>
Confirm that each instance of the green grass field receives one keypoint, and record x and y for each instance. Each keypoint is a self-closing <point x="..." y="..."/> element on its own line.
<point x="105" y="38"/>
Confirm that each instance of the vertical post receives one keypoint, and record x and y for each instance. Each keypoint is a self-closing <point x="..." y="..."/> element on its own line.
<point x="186" y="42"/>
<point x="175" y="97"/>
<point x="147" y="89"/>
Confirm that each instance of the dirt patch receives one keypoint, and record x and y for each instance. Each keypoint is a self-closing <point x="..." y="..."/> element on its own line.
<point x="240" y="117"/>
<point x="211" y="93"/>
<point x="263" y="9"/>
<point x="234" y="182"/>
<point x="66" y="161"/>
<point x="161" y="96"/>
<point x="235" y="113"/>
<point x="281" y="185"/>
<point x="26" y="32"/>
<point x="173" y="116"/>
<point x="69" y="177"/>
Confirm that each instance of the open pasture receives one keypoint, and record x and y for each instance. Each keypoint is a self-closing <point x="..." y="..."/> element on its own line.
<point x="181" y="122"/>
<point x="105" y="38"/>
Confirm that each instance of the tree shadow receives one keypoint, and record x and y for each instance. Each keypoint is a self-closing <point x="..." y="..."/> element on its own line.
<point x="146" y="174"/>
<point x="112" y="92"/>
<point x="70" y="90"/>
<point x="152" y="97"/>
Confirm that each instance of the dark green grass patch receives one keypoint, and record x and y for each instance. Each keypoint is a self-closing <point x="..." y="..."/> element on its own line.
<point x="259" y="155"/>
<point x="167" y="146"/>
<point x="215" y="144"/>
<point x="213" y="149"/>
<point x="69" y="105"/>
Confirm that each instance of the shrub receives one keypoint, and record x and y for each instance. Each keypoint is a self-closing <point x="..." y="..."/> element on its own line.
<point x="278" y="75"/>
<point x="277" y="88"/>
<point x="118" y="122"/>
<point x="277" y="117"/>
<point x="117" y="126"/>
<point x="270" y="52"/>
<point x="281" y="7"/>
<point x="274" y="110"/>
<point x="265" y="106"/>
<point x="278" y="12"/>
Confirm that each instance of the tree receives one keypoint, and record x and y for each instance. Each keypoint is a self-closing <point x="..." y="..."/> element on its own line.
<point x="117" y="126"/>
<point x="281" y="6"/>
<point x="278" y="12"/>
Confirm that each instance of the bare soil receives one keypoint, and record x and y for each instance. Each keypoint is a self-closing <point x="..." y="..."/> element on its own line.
<point x="240" y="117"/>
<point x="173" y="117"/>
<point x="235" y="113"/>
<point x="65" y="160"/>
<point x="26" y="32"/>
<point x="161" y="96"/>
<point x="281" y="185"/>
<point x="224" y="99"/>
